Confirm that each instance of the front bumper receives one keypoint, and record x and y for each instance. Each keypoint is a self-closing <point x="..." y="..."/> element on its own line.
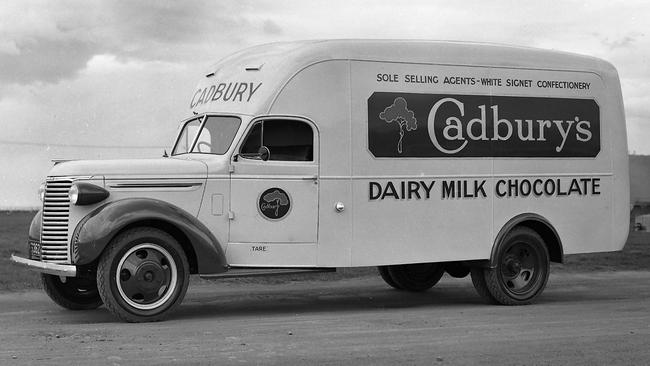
<point x="66" y="270"/>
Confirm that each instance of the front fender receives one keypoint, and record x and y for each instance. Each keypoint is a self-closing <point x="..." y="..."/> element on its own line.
<point x="97" y="229"/>
<point x="34" y="232"/>
<point x="35" y="226"/>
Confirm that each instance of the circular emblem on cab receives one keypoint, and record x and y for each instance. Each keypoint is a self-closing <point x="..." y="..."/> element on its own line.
<point x="274" y="203"/>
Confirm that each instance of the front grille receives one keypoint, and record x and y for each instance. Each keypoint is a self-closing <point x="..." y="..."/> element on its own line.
<point x="56" y="214"/>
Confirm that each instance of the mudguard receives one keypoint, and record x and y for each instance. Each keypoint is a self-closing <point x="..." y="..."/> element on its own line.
<point x="538" y="223"/>
<point x="95" y="231"/>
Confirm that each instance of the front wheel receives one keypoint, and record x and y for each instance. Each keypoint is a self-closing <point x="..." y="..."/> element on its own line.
<point x="143" y="275"/>
<point x="521" y="271"/>
<point x="74" y="293"/>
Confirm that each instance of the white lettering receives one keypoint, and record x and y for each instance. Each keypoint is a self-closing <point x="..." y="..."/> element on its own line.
<point x="583" y="134"/>
<point x="482" y="124"/>
<point x="497" y="123"/>
<point x="564" y="133"/>
<point x="432" y="124"/>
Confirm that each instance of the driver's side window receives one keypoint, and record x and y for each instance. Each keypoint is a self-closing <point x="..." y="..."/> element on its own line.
<point x="285" y="140"/>
<point x="253" y="141"/>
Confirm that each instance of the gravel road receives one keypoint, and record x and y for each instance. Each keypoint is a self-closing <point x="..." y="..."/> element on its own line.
<point x="600" y="318"/>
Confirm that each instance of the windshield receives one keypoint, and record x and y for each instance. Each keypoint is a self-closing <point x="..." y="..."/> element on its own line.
<point x="207" y="135"/>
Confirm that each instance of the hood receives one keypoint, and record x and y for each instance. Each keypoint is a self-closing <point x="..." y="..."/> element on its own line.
<point x="128" y="168"/>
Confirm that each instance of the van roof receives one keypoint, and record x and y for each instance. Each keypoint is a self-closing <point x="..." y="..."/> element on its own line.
<point x="301" y="53"/>
<point x="274" y="64"/>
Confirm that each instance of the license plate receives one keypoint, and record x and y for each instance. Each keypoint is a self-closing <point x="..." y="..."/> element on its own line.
<point x="35" y="250"/>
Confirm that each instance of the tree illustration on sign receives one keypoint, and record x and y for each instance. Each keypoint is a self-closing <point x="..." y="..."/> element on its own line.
<point x="405" y="118"/>
<point x="278" y="198"/>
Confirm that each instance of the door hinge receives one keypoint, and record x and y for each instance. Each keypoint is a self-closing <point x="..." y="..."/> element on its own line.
<point x="231" y="215"/>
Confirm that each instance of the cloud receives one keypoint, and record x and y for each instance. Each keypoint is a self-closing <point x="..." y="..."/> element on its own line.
<point x="112" y="101"/>
<point x="622" y="42"/>
<point x="271" y="27"/>
<point x="93" y="72"/>
<point x="44" y="60"/>
<point x="50" y="41"/>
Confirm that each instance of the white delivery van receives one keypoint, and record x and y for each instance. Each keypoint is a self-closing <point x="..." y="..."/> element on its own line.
<point x="415" y="157"/>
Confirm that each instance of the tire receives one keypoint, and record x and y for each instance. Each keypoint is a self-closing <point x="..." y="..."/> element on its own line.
<point x="522" y="268"/>
<point x="478" y="280"/>
<point x="383" y="272"/>
<point x="416" y="277"/>
<point x="143" y="275"/>
<point x="76" y="293"/>
<point x="457" y="269"/>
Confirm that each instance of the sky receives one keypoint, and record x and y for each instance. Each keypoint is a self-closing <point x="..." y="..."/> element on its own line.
<point x="90" y="79"/>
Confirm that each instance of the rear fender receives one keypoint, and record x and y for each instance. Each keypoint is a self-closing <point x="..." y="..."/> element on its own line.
<point x="540" y="225"/>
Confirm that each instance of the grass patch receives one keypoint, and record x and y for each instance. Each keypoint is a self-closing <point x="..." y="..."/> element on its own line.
<point x="14" y="226"/>
<point x="635" y="256"/>
<point x="14" y="229"/>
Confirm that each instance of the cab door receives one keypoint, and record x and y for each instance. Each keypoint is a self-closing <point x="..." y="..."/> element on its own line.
<point x="274" y="183"/>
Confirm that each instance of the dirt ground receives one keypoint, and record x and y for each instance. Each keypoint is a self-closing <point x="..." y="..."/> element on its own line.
<point x="595" y="311"/>
<point x="595" y="318"/>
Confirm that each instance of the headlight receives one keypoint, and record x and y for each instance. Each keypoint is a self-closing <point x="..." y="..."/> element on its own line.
<point x="73" y="194"/>
<point x="86" y="194"/>
<point x="41" y="192"/>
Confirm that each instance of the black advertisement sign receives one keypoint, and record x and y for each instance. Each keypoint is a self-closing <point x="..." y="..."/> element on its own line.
<point x="274" y="203"/>
<point x="446" y="125"/>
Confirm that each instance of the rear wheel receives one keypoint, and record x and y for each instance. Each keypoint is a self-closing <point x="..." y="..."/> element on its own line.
<point x="143" y="275"/>
<point x="457" y="269"/>
<point x="416" y="277"/>
<point x="383" y="272"/>
<point x="521" y="271"/>
<point x="74" y="293"/>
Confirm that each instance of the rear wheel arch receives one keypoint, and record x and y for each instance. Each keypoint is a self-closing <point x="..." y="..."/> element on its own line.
<point x="541" y="226"/>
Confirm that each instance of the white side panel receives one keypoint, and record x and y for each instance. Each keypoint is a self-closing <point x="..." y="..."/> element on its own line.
<point x="298" y="226"/>
<point x="214" y="208"/>
<point x="416" y="230"/>
<point x="275" y="255"/>
<point x="390" y="230"/>
<point x="335" y="228"/>
<point x="321" y="92"/>
<point x="391" y="227"/>
<point x="583" y="222"/>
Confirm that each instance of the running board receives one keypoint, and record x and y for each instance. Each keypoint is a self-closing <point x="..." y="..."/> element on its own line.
<point x="256" y="272"/>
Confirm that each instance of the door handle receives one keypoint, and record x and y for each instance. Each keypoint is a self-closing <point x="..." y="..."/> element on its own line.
<point x="313" y="178"/>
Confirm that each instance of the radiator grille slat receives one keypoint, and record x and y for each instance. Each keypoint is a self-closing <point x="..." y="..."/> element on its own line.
<point x="56" y="214"/>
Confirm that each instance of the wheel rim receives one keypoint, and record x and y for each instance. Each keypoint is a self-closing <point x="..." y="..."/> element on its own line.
<point x="521" y="269"/>
<point x="146" y="276"/>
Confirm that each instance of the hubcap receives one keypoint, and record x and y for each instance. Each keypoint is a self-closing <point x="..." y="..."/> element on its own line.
<point x="146" y="276"/>
<point x="520" y="268"/>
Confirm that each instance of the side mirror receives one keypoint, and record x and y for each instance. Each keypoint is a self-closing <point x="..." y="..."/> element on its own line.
<point x="264" y="153"/>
